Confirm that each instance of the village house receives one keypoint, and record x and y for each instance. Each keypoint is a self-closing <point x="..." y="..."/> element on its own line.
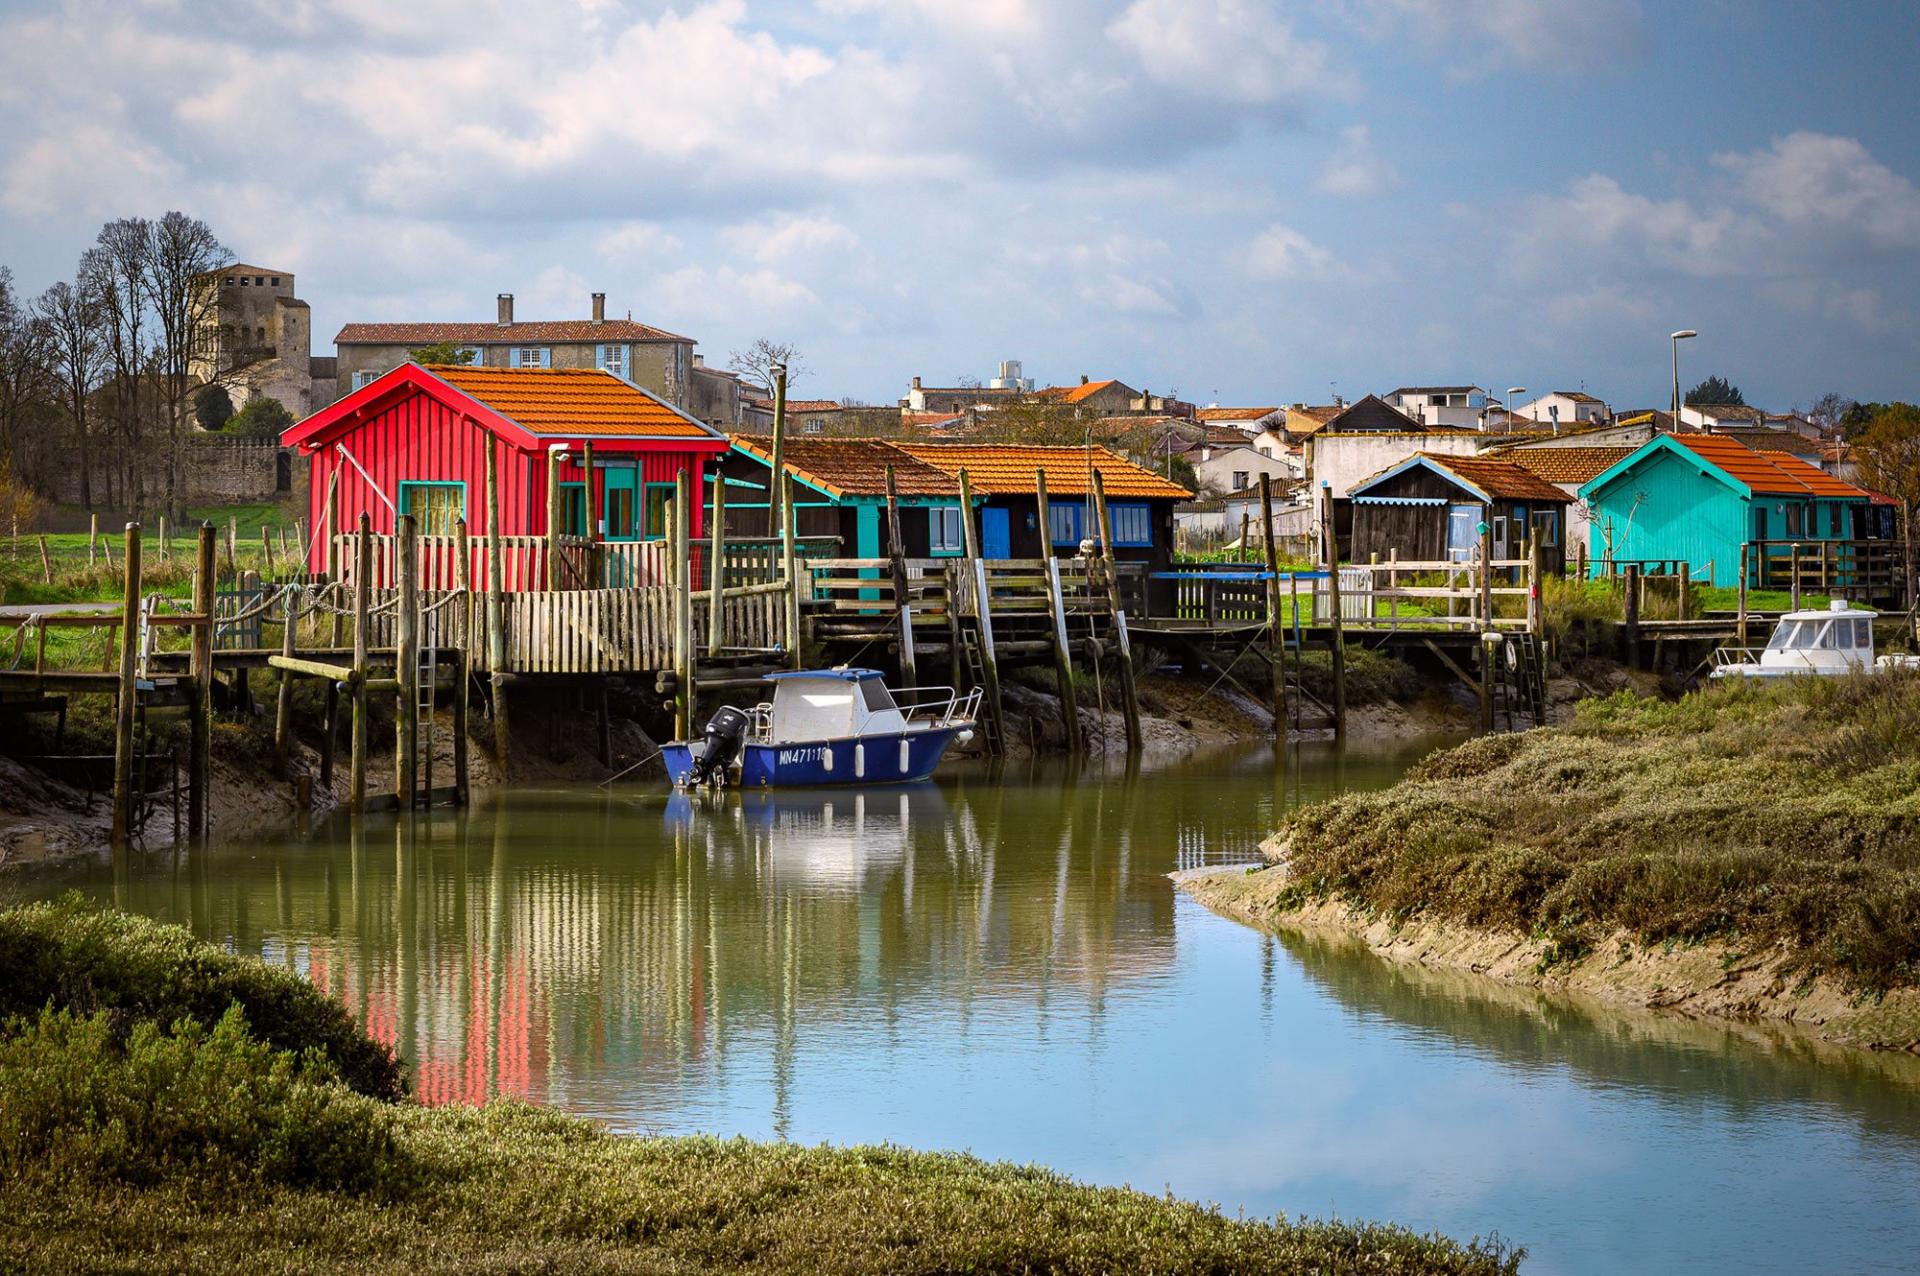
<point x="1562" y="409"/>
<point x="1429" y="508"/>
<point x="1569" y="469"/>
<point x="256" y="340"/>
<point x="656" y="360"/>
<point x="723" y="400"/>
<point x="1250" y="421"/>
<point x="1225" y="467"/>
<point x="1698" y="497"/>
<point x="415" y="441"/>
<point x="841" y="492"/>
<point x="1459" y="406"/>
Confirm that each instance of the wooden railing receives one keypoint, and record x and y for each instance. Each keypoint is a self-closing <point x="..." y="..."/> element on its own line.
<point x="1865" y="569"/>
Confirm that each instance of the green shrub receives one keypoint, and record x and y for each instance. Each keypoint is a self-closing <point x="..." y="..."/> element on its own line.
<point x="71" y="956"/>
<point x="78" y="1102"/>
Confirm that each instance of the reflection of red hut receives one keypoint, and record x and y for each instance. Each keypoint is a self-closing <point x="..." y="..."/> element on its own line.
<point x="415" y="442"/>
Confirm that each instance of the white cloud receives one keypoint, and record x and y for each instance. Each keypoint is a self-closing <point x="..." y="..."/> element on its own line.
<point x="1542" y="35"/>
<point x="1356" y="170"/>
<point x="1234" y="49"/>
<point x="785" y="237"/>
<point x="1281" y="252"/>
<point x="1598" y="223"/>
<point x="1830" y="184"/>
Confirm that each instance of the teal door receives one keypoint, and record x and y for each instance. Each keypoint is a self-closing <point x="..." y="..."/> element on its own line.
<point x="620" y="502"/>
<point x="996" y="536"/>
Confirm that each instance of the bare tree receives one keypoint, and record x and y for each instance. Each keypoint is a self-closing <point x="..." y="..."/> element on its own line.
<point x="73" y="316"/>
<point x="114" y="269"/>
<point x="181" y="249"/>
<point x="1827" y="412"/>
<point x="24" y="380"/>
<point x="1888" y="454"/>
<point x="757" y="362"/>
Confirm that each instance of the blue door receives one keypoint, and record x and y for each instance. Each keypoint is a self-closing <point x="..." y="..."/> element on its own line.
<point x="996" y="541"/>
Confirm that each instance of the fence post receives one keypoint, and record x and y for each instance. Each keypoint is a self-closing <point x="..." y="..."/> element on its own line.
<point x="553" y="519"/>
<point x="200" y="669"/>
<point x="123" y="741"/>
<point x="1740" y="622"/>
<point x="1130" y="701"/>
<point x="1684" y="607"/>
<point x="778" y="488"/>
<point x="93" y="539"/>
<point x="233" y="548"/>
<point x="1276" y="629"/>
<point x="362" y="572"/>
<point x="1536" y="601"/>
<point x="165" y="535"/>
<point x="1793" y="573"/>
<point x="682" y="606"/>
<point x="496" y="611"/>
<point x="406" y="663"/>
<point x="790" y="556"/>
<point x="1057" y="605"/>
<point x="1630" y="615"/>
<point x="716" y="568"/>
<point x="897" y="566"/>
<point x="1336" y="621"/>
<point x="283" y="701"/>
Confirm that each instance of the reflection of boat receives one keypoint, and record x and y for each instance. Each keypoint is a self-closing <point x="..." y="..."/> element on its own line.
<point x="1834" y="642"/>
<point x="826" y="726"/>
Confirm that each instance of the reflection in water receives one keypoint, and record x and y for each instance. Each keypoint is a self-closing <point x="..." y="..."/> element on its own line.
<point x="997" y="962"/>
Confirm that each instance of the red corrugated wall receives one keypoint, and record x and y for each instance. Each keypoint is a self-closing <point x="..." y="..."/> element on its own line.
<point x="419" y="438"/>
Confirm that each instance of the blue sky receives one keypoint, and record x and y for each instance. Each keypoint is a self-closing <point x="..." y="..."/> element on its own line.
<point x="1242" y="203"/>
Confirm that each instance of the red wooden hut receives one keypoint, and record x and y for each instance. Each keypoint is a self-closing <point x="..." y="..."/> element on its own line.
<point x="415" y="442"/>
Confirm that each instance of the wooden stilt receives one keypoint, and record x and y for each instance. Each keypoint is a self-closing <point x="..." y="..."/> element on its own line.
<point x="406" y="661"/>
<point x="362" y="571"/>
<point x="897" y="569"/>
<point x="779" y="491"/>
<point x="93" y="540"/>
<point x="283" y="699"/>
<point x="496" y="612"/>
<point x="1630" y="615"/>
<point x="1335" y="620"/>
<point x="555" y="578"/>
<point x="1130" y="700"/>
<point x="1057" y="607"/>
<point x="200" y="667"/>
<point x="1276" y="627"/>
<point x="683" y="694"/>
<point x="716" y="568"/>
<point x="790" y="559"/>
<point x="123" y="737"/>
<point x="462" y="660"/>
<point x="982" y="601"/>
<point x="1740" y="622"/>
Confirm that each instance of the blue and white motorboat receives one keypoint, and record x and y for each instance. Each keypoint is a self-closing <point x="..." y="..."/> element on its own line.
<point x="826" y="726"/>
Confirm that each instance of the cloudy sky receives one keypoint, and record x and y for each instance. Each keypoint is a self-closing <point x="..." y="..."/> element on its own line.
<point x="1240" y="202"/>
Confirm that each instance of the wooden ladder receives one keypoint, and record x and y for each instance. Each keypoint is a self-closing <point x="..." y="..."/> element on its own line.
<point x="1519" y="682"/>
<point x="991" y="727"/>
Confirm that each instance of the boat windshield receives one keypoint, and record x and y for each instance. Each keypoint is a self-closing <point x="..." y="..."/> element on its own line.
<point x="1783" y="635"/>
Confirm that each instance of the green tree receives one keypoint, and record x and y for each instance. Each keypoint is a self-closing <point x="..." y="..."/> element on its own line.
<point x="1716" y="390"/>
<point x="213" y="407"/>
<point x="1887" y="453"/>
<point x="262" y="418"/>
<point x="443" y="352"/>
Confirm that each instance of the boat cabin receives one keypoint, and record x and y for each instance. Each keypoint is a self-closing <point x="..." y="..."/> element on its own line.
<point x="1834" y="642"/>
<point x="814" y="704"/>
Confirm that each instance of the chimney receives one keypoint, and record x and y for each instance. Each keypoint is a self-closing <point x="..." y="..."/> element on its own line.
<point x="699" y="361"/>
<point x="506" y="309"/>
<point x="1083" y="378"/>
<point x="916" y="383"/>
<point x="599" y="307"/>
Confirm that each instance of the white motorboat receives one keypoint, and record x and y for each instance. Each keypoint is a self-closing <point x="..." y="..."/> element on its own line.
<point x="1830" y="643"/>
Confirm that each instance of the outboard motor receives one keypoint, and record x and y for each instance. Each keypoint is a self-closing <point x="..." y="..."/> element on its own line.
<point x="720" y="744"/>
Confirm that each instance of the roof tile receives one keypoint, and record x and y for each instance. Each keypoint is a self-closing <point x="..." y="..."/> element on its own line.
<point x="851" y="467"/>
<point x="494" y="334"/>
<point x="572" y="402"/>
<point x="1768" y="473"/>
<point x="1009" y="469"/>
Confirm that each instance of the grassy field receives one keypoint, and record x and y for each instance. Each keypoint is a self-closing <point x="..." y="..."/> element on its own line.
<point x="1756" y="814"/>
<point x="97" y="576"/>
<point x="167" y="1107"/>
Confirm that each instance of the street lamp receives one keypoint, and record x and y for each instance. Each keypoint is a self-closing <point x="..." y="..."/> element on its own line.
<point x="1511" y="391"/>
<point x="1683" y="335"/>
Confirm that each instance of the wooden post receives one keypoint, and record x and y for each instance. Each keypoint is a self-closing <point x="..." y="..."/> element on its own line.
<point x="463" y="658"/>
<point x="1337" y="639"/>
<point x="233" y="547"/>
<point x="716" y="568"/>
<point x="595" y="577"/>
<point x="266" y="545"/>
<point x="554" y="576"/>
<point x="778" y="489"/>
<point x="406" y="662"/>
<point x="897" y="567"/>
<point x="982" y="602"/>
<point x="1685" y="602"/>
<point x="1793" y="572"/>
<point x="200" y="669"/>
<point x="1057" y="604"/>
<point x="1630" y="615"/>
<point x="362" y="573"/>
<point x="1826" y="566"/>
<point x="1487" y="656"/>
<point x="790" y="558"/>
<point x="123" y="739"/>
<point x="1276" y="630"/>
<point x="1130" y="701"/>
<point x="283" y="701"/>
<point x="93" y="540"/>
<point x="496" y="611"/>
<point x="682" y="606"/>
<point x="46" y="561"/>
<point x="1486" y="567"/>
<point x="1536" y="602"/>
<point x="1740" y="622"/>
<point x="166" y="536"/>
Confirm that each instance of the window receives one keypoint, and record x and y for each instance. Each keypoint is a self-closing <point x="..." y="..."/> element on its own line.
<point x="573" y="509"/>
<point x="611" y="358"/>
<point x="276" y="281"/>
<point x="1463" y="532"/>
<point x="944" y="532"/>
<point x="1132" y="524"/>
<point x="815" y="424"/>
<point x="245" y="280"/>
<point x="619" y="513"/>
<point x="363" y="377"/>
<point x="1833" y="521"/>
<point x="1546" y="526"/>
<point x="1793" y="520"/>
<point x="1863" y="634"/>
<point x="531" y="357"/>
<point x="476" y="356"/>
<point x="1067" y="518"/>
<point x="1239" y="481"/>
<point x="230" y="281"/>
<point x="658" y="500"/>
<point x="434" y="506"/>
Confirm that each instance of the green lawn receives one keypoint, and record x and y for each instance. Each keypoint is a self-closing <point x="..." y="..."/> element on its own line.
<point x="80" y="576"/>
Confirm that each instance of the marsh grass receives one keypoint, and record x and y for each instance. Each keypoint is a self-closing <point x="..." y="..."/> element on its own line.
<point x="1785" y="813"/>
<point x="133" y="1137"/>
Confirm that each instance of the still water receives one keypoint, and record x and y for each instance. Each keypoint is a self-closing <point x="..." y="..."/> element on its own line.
<point x="998" y="964"/>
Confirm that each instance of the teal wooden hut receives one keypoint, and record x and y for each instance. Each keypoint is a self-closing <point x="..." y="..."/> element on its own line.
<point x="841" y="493"/>
<point x="1697" y="498"/>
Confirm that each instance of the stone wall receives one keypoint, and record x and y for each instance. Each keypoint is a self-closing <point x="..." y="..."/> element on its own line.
<point x="218" y="470"/>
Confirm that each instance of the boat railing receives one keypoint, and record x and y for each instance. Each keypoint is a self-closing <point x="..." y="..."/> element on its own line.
<point x="1726" y="657"/>
<point x="941" y="706"/>
<point x="760" y="723"/>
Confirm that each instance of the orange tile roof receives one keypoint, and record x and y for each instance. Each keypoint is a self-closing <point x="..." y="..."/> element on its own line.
<point x="1498" y="478"/>
<point x="1008" y="469"/>
<point x="851" y="467"/>
<point x="1234" y="414"/>
<point x="1075" y="393"/>
<point x="572" y="402"/>
<point x="1569" y="465"/>
<point x="492" y="334"/>
<point x="1768" y="473"/>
